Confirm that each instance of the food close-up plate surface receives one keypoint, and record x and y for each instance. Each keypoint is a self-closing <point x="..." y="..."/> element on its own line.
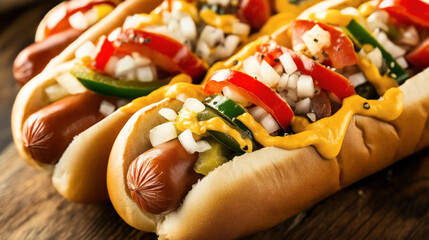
<point x="214" y="119"/>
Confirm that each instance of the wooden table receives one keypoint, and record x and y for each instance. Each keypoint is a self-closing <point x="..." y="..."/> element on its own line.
<point x="392" y="204"/>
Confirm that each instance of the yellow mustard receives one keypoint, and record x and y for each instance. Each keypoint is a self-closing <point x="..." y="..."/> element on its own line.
<point x="225" y="22"/>
<point x="381" y="83"/>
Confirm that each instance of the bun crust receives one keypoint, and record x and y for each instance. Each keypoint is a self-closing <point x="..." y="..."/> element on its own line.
<point x="81" y="172"/>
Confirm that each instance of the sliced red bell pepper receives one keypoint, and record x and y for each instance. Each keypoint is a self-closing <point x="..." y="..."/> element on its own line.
<point x="165" y="52"/>
<point x="58" y="21"/>
<point x="323" y="77"/>
<point x="255" y="12"/>
<point x="407" y="11"/>
<point x="341" y="52"/>
<point x="254" y="91"/>
<point x="104" y="52"/>
<point x="419" y="57"/>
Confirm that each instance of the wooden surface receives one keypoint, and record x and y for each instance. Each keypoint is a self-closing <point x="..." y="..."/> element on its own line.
<point x="392" y="204"/>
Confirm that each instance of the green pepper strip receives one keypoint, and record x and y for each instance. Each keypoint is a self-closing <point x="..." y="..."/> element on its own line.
<point x="110" y="86"/>
<point x="361" y="36"/>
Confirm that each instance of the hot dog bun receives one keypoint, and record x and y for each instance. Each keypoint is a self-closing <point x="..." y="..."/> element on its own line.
<point x="80" y="174"/>
<point x="258" y="190"/>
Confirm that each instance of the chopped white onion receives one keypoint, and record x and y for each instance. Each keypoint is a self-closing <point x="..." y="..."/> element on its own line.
<point x="212" y="36"/>
<point x="269" y="123"/>
<point x="140" y="60"/>
<point x="376" y="57"/>
<point x="303" y="107"/>
<point x="111" y="65"/>
<point x="91" y="16"/>
<point x="78" y="21"/>
<point x="289" y="100"/>
<point x="134" y="21"/>
<point x="378" y="20"/>
<point x="85" y="50"/>
<point x="203" y="50"/>
<point x="146" y="74"/>
<point x="257" y="113"/>
<point x="231" y="43"/>
<point x="410" y="36"/>
<point x="188" y="27"/>
<point x="269" y="75"/>
<point x="240" y="29"/>
<point x="56" y="92"/>
<point x="293" y="79"/>
<point x="402" y="62"/>
<point x="70" y="83"/>
<point x="55" y="16"/>
<point x="311" y="116"/>
<point x="192" y="104"/>
<point x="305" y="86"/>
<point x="282" y="83"/>
<point x="182" y="97"/>
<point x="203" y="146"/>
<point x="315" y="39"/>
<point x="235" y="96"/>
<point x="188" y="141"/>
<point x="162" y="133"/>
<point x="288" y="63"/>
<point x="106" y="108"/>
<point x="357" y="79"/>
<point x="350" y="11"/>
<point x="251" y="66"/>
<point x="124" y="66"/>
<point x="392" y="48"/>
<point x="168" y="113"/>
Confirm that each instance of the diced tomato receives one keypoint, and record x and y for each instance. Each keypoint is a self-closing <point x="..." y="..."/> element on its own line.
<point x="341" y="52"/>
<point x="254" y="91"/>
<point x="270" y="52"/>
<point x="419" y="57"/>
<point x="323" y="77"/>
<point x="58" y="21"/>
<point x="407" y="11"/>
<point x="255" y="12"/>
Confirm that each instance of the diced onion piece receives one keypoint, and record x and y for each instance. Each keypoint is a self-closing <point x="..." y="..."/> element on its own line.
<point x="410" y="36"/>
<point x="146" y="74"/>
<point x="269" y="75"/>
<point x="290" y="100"/>
<point x="257" y="113"/>
<point x="402" y="62"/>
<point x="70" y="83"/>
<point x="124" y="65"/>
<point x="59" y="13"/>
<point x="106" y="108"/>
<point x="134" y="21"/>
<point x="162" y="133"/>
<point x="85" y="50"/>
<point x="212" y="36"/>
<point x="350" y="11"/>
<point x="203" y="50"/>
<point x="233" y="95"/>
<point x="203" y="146"/>
<point x="181" y="97"/>
<point x="311" y="116"/>
<point x="78" y="21"/>
<point x="357" y="79"/>
<point x="111" y="65"/>
<point x="140" y="60"/>
<point x="192" y="104"/>
<point x="376" y="57"/>
<point x="282" y="83"/>
<point x="55" y="92"/>
<point x="288" y="63"/>
<point x="240" y="29"/>
<point x="231" y="43"/>
<point x="188" y="27"/>
<point x="305" y="86"/>
<point x="270" y="124"/>
<point x="392" y="48"/>
<point x="251" y="66"/>
<point x="188" y="141"/>
<point x="316" y="38"/>
<point x="91" y="16"/>
<point x="168" y="113"/>
<point x="293" y="79"/>
<point x="303" y="107"/>
<point x="378" y="20"/>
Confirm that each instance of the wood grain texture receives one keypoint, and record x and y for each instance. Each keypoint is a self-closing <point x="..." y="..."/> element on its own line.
<point x="392" y="204"/>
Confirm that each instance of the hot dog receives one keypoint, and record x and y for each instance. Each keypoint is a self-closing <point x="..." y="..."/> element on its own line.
<point x="295" y="168"/>
<point x="57" y="30"/>
<point x="124" y="56"/>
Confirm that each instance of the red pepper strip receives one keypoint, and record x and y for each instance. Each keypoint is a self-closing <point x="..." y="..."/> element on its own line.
<point x="406" y="11"/>
<point x="270" y="52"/>
<point x="255" y="12"/>
<point x="323" y="77"/>
<point x="254" y="91"/>
<point x="165" y="52"/>
<point x="419" y="57"/>
<point x="59" y="20"/>
<point x="341" y="52"/>
<point x="105" y="50"/>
